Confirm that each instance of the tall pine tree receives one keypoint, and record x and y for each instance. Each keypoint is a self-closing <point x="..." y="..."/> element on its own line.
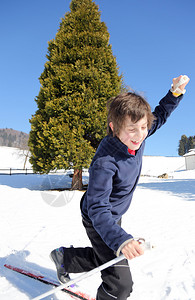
<point x="182" y="149"/>
<point x="191" y="142"/>
<point x="185" y="144"/>
<point x="80" y="75"/>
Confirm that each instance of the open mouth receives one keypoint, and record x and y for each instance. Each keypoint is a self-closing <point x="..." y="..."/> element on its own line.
<point x="135" y="143"/>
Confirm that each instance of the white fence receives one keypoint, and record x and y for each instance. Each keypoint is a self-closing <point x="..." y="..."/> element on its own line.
<point x="12" y="171"/>
<point x="27" y="171"/>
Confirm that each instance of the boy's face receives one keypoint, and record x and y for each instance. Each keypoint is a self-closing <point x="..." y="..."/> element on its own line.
<point x="133" y="134"/>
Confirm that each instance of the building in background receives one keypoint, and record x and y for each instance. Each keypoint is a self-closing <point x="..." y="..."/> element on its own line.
<point x="190" y="159"/>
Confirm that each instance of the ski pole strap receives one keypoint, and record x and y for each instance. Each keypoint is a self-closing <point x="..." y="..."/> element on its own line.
<point x="81" y="277"/>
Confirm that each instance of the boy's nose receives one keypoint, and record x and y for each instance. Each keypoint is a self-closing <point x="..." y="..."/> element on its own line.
<point x="138" y="135"/>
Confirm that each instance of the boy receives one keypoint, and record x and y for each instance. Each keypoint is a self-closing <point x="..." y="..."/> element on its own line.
<point x="114" y="174"/>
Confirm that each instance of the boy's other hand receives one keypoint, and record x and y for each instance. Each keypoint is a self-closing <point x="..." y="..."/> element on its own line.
<point x="181" y="87"/>
<point x="132" y="249"/>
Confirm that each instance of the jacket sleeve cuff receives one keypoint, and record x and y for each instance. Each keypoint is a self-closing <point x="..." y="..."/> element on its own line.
<point x="179" y="96"/>
<point x="122" y="245"/>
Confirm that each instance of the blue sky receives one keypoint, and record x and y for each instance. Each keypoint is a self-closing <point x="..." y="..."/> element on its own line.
<point x="153" y="41"/>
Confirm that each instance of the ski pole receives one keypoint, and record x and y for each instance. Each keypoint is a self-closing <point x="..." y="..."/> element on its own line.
<point x="81" y="277"/>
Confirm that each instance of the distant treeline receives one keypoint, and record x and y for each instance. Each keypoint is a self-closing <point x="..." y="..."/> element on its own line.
<point x="185" y="144"/>
<point x="13" y="138"/>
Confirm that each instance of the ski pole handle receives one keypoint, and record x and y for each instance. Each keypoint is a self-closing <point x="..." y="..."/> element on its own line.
<point x="81" y="277"/>
<point x="147" y="245"/>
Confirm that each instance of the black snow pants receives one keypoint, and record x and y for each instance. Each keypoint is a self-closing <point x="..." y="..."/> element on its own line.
<point x="116" y="280"/>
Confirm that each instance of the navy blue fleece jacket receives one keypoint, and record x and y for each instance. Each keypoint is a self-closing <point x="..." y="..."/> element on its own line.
<point x="113" y="176"/>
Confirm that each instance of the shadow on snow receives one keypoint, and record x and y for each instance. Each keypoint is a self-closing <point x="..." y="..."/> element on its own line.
<point x="184" y="188"/>
<point x="28" y="286"/>
<point x="37" y="182"/>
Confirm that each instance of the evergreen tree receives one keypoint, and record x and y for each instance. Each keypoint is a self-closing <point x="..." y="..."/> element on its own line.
<point x="80" y="75"/>
<point x="191" y="142"/>
<point x="183" y="145"/>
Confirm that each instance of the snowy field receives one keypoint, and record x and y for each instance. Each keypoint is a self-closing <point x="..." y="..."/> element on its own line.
<point x="35" y="220"/>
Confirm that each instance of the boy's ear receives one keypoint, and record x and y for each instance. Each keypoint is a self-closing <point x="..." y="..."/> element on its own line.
<point x="111" y="126"/>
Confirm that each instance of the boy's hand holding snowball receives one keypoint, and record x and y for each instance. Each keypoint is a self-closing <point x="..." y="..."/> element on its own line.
<point x="179" y="84"/>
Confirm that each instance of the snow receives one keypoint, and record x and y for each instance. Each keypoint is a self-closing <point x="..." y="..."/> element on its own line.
<point x="34" y="220"/>
<point x="12" y="158"/>
<point x="191" y="152"/>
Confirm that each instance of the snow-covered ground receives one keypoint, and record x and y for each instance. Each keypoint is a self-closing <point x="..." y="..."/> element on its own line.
<point x="34" y="221"/>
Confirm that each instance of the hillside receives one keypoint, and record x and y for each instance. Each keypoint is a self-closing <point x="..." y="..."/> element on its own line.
<point x="13" y="138"/>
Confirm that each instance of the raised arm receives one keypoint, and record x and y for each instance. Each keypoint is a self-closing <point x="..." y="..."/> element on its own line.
<point x="169" y="103"/>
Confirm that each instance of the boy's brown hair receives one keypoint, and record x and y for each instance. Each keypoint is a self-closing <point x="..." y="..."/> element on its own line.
<point x="127" y="104"/>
